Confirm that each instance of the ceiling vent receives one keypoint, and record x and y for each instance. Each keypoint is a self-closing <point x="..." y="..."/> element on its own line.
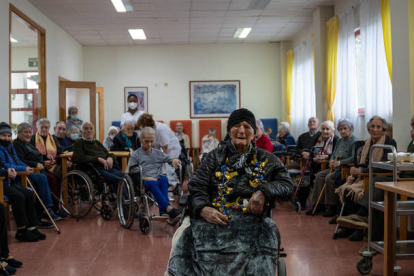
<point x="258" y="4"/>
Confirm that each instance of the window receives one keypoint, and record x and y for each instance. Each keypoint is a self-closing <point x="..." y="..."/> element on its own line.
<point x="359" y="75"/>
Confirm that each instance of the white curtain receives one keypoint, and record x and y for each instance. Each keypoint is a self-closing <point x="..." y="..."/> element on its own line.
<point x="303" y="88"/>
<point x="346" y="105"/>
<point x="377" y="83"/>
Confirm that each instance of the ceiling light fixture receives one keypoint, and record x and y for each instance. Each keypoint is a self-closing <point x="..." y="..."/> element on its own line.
<point x="137" y="34"/>
<point x="13" y="40"/>
<point x="242" y="32"/>
<point x="119" y="6"/>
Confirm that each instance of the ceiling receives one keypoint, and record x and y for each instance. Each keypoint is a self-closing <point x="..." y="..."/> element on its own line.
<point x="96" y="22"/>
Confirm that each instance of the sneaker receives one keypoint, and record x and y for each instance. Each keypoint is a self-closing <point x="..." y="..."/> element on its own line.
<point x="26" y="236"/>
<point x="363" y="249"/>
<point x="53" y="215"/>
<point x="45" y="225"/>
<point x="12" y="261"/>
<point x="62" y="214"/>
<point x="353" y="221"/>
<point x="10" y="270"/>
<point x="41" y="236"/>
<point x="333" y="220"/>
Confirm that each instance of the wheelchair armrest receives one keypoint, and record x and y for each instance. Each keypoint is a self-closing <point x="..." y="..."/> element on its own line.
<point x="184" y="200"/>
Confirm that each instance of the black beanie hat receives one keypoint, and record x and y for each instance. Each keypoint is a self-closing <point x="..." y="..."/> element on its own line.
<point x="241" y="115"/>
<point x="5" y="128"/>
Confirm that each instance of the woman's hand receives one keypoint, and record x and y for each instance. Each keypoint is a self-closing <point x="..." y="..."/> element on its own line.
<point x="50" y="157"/>
<point x="211" y="215"/>
<point x="355" y="171"/>
<point x="29" y="170"/>
<point x="109" y="162"/>
<point x="175" y="163"/>
<point x="48" y="163"/>
<point x="40" y="166"/>
<point x="333" y="164"/>
<point x="103" y="162"/>
<point x="11" y="173"/>
<point x="256" y="202"/>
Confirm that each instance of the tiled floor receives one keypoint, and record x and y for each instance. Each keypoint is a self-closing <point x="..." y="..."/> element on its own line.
<point x="93" y="246"/>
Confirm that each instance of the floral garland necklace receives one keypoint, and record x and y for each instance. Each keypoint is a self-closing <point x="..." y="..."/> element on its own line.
<point x="225" y="174"/>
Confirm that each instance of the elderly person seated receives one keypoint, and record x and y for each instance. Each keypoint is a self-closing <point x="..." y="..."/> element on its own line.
<point x="32" y="157"/>
<point x="22" y="199"/>
<point x="179" y="133"/>
<point x="73" y="133"/>
<point x="262" y="141"/>
<point x="164" y="136"/>
<point x="109" y="140"/>
<point x="283" y="135"/>
<point x="230" y="195"/>
<point x="306" y="141"/>
<point x="89" y="150"/>
<point x="327" y="142"/>
<point x="126" y="139"/>
<point x="60" y="136"/>
<point x="352" y="192"/>
<point x="209" y="142"/>
<point x="343" y="152"/>
<point x="152" y="161"/>
<point x="73" y="119"/>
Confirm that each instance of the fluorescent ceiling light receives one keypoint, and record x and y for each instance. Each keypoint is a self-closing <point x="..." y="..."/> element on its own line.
<point x="137" y="34"/>
<point x="242" y="32"/>
<point x="13" y="40"/>
<point x="119" y="6"/>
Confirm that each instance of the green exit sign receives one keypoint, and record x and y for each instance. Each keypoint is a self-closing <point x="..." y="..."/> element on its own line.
<point x="33" y="62"/>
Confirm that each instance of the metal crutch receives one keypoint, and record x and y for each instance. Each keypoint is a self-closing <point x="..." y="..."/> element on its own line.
<point x="44" y="207"/>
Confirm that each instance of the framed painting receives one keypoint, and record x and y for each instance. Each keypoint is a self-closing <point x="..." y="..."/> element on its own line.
<point x="214" y="99"/>
<point x="142" y="94"/>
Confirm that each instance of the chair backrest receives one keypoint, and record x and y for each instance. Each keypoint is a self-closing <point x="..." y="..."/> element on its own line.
<point x="272" y="123"/>
<point x="188" y="128"/>
<point x="116" y="123"/>
<point x="205" y="125"/>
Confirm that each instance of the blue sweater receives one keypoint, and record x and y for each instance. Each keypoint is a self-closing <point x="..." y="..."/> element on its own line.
<point x="8" y="161"/>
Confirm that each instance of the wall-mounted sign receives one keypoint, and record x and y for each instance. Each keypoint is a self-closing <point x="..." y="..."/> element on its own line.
<point x="33" y="62"/>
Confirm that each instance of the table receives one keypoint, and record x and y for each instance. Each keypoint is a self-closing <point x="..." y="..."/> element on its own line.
<point x="390" y="189"/>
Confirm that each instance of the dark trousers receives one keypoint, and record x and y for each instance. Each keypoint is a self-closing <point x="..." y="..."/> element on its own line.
<point x="23" y="206"/>
<point x="55" y="182"/>
<point x="112" y="177"/>
<point x="4" y="243"/>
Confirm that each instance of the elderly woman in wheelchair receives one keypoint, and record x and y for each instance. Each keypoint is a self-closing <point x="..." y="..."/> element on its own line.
<point x="146" y="166"/>
<point x="231" y="196"/>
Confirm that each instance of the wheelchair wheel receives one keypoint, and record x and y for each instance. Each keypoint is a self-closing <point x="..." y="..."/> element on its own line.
<point x="126" y="202"/>
<point x="145" y="225"/>
<point x="281" y="268"/>
<point x="106" y="211"/>
<point x="80" y="193"/>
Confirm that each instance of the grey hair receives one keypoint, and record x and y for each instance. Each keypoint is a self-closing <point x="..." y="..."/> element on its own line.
<point x="60" y="122"/>
<point x="72" y="128"/>
<point x="85" y="123"/>
<point x="42" y="121"/>
<point x="212" y="130"/>
<point x="330" y="124"/>
<point x="345" y="122"/>
<point x="284" y="126"/>
<point x="23" y="126"/>
<point x="146" y="131"/>
<point x="375" y="117"/>
<point x="260" y="124"/>
<point x="72" y="108"/>
<point x="124" y="124"/>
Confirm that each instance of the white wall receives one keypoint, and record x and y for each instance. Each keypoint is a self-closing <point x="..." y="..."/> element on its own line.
<point x="257" y="66"/>
<point x="20" y="58"/>
<point x="64" y="56"/>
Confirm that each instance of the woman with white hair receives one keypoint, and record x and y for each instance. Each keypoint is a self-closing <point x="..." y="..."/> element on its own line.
<point x="284" y="137"/>
<point x="262" y="141"/>
<point x="109" y="140"/>
<point x="126" y="139"/>
<point x="343" y="153"/>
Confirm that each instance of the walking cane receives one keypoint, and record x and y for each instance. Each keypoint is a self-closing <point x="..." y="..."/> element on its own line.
<point x="62" y="204"/>
<point x="44" y="207"/>
<point x="337" y="225"/>
<point x="323" y="188"/>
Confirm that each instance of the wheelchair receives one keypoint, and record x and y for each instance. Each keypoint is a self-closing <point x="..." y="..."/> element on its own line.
<point x="134" y="201"/>
<point x="86" y="188"/>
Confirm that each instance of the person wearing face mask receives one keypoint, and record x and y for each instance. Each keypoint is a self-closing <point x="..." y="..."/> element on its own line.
<point x="73" y="119"/>
<point x="133" y="112"/>
<point x="126" y="139"/>
<point x="109" y="140"/>
<point x="73" y="134"/>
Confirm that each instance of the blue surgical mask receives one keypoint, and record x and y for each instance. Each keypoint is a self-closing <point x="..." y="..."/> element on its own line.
<point x="74" y="117"/>
<point x="74" y="136"/>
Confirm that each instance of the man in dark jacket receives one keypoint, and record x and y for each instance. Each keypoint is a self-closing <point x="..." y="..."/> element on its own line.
<point x="231" y="193"/>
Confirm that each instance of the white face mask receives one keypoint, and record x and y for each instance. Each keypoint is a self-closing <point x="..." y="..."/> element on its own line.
<point x="112" y="137"/>
<point x="132" y="105"/>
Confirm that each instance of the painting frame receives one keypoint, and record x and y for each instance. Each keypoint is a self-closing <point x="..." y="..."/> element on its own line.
<point x="141" y="92"/>
<point x="204" y="95"/>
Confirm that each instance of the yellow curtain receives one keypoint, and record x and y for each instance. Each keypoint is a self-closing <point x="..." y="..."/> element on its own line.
<point x="332" y="34"/>
<point x="386" y="28"/>
<point x="289" y="83"/>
